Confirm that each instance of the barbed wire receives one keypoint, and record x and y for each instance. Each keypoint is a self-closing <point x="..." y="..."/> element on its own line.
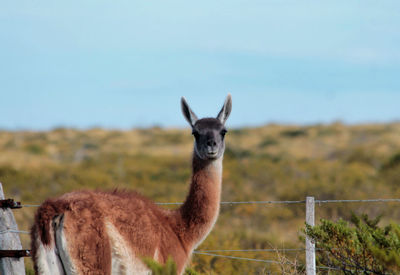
<point x="257" y="260"/>
<point x="253" y="250"/>
<point x="263" y="260"/>
<point x="231" y="203"/>
<point x="239" y="202"/>
<point x="210" y="252"/>
<point x="236" y="258"/>
<point x="366" y="200"/>
<point x="268" y="202"/>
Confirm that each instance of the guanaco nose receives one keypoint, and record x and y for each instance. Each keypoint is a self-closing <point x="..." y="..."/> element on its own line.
<point x="211" y="146"/>
<point x="211" y="143"/>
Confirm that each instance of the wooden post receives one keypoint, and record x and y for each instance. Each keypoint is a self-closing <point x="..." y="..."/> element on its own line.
<point x="310" y="246"/>
<point x="9" y="240"/>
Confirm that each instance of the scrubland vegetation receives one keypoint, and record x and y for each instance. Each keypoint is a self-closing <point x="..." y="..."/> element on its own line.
<point x="361" y="248"/>
<point x="273" y="162"/>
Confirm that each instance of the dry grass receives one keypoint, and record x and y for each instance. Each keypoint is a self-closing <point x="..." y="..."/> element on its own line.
<point x="274" y="162"/>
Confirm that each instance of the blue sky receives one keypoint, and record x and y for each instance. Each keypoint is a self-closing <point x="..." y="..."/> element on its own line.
<point x="124" y="64"/>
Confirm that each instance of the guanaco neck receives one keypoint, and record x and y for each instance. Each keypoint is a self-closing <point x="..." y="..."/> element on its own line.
<point x="201" y="207"/>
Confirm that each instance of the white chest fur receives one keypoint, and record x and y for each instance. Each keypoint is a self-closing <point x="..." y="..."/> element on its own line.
<point x="123" y="259"/>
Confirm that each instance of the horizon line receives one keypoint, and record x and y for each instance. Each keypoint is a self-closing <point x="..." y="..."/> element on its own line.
<point x="180" y="127"/>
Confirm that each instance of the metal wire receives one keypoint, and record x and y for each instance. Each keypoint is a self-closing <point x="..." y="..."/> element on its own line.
<point x="257" y="250"/>
<point x="239" y="202"/>
<point x="236" y="258"/>
<point x="261" y="202"/>
<point x="367" y="200"/>
<point x="267" y="202"/>
<point x="258" y="260"/>
<point x="251" y="250"/>
<point x="231" y="203"/>
<point x="289" y="202"/>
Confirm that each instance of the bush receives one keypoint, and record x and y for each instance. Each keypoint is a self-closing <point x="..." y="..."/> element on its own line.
<point x="362" y="248"/>
<point x="168" y="269"/>
<point x="294" y="133"/>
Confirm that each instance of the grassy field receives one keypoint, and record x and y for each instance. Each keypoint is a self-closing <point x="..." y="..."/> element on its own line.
<point x="273" y="162"/>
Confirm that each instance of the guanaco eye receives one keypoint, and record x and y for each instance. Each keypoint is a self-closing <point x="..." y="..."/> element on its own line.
<point x="195" y="134"/>
<point x="223" y="132"/>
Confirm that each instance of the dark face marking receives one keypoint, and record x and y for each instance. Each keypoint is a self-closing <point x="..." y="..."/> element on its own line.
<point x="209" y="136"/>
<point x="209" y="133"/>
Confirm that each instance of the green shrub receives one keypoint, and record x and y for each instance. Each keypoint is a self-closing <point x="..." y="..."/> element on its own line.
<point x="294" y="133"/>
<point x="268" y="141"/>
<point x="35" y="149"/>
<point x="393" y="162"/>
<point x="169" y="268"/>
<point x="360" y="248"/>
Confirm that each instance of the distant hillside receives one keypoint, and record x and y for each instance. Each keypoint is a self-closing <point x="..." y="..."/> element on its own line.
<point x="274" y="162"/>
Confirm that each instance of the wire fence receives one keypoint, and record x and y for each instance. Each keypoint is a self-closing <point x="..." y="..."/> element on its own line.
<point x="254" y="250"/>
<point x="268" y="202"/>
<point x="286" y="202"/>
<point x="233" y="203"/>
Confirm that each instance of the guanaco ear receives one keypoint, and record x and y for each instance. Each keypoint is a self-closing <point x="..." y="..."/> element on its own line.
<point x="188" y="113"/>
<point x="226" y="110"/>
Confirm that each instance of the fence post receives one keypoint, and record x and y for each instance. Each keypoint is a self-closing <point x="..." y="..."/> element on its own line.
<point x="9" y="241"/>
<point x="310" y="246"/>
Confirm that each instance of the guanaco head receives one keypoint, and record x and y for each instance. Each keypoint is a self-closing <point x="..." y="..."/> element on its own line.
<point x="209" y="133"/>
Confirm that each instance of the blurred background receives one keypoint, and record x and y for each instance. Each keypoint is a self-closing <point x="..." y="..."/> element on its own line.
<point x="126" y="64"/>
<point x="90" y="95"/>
